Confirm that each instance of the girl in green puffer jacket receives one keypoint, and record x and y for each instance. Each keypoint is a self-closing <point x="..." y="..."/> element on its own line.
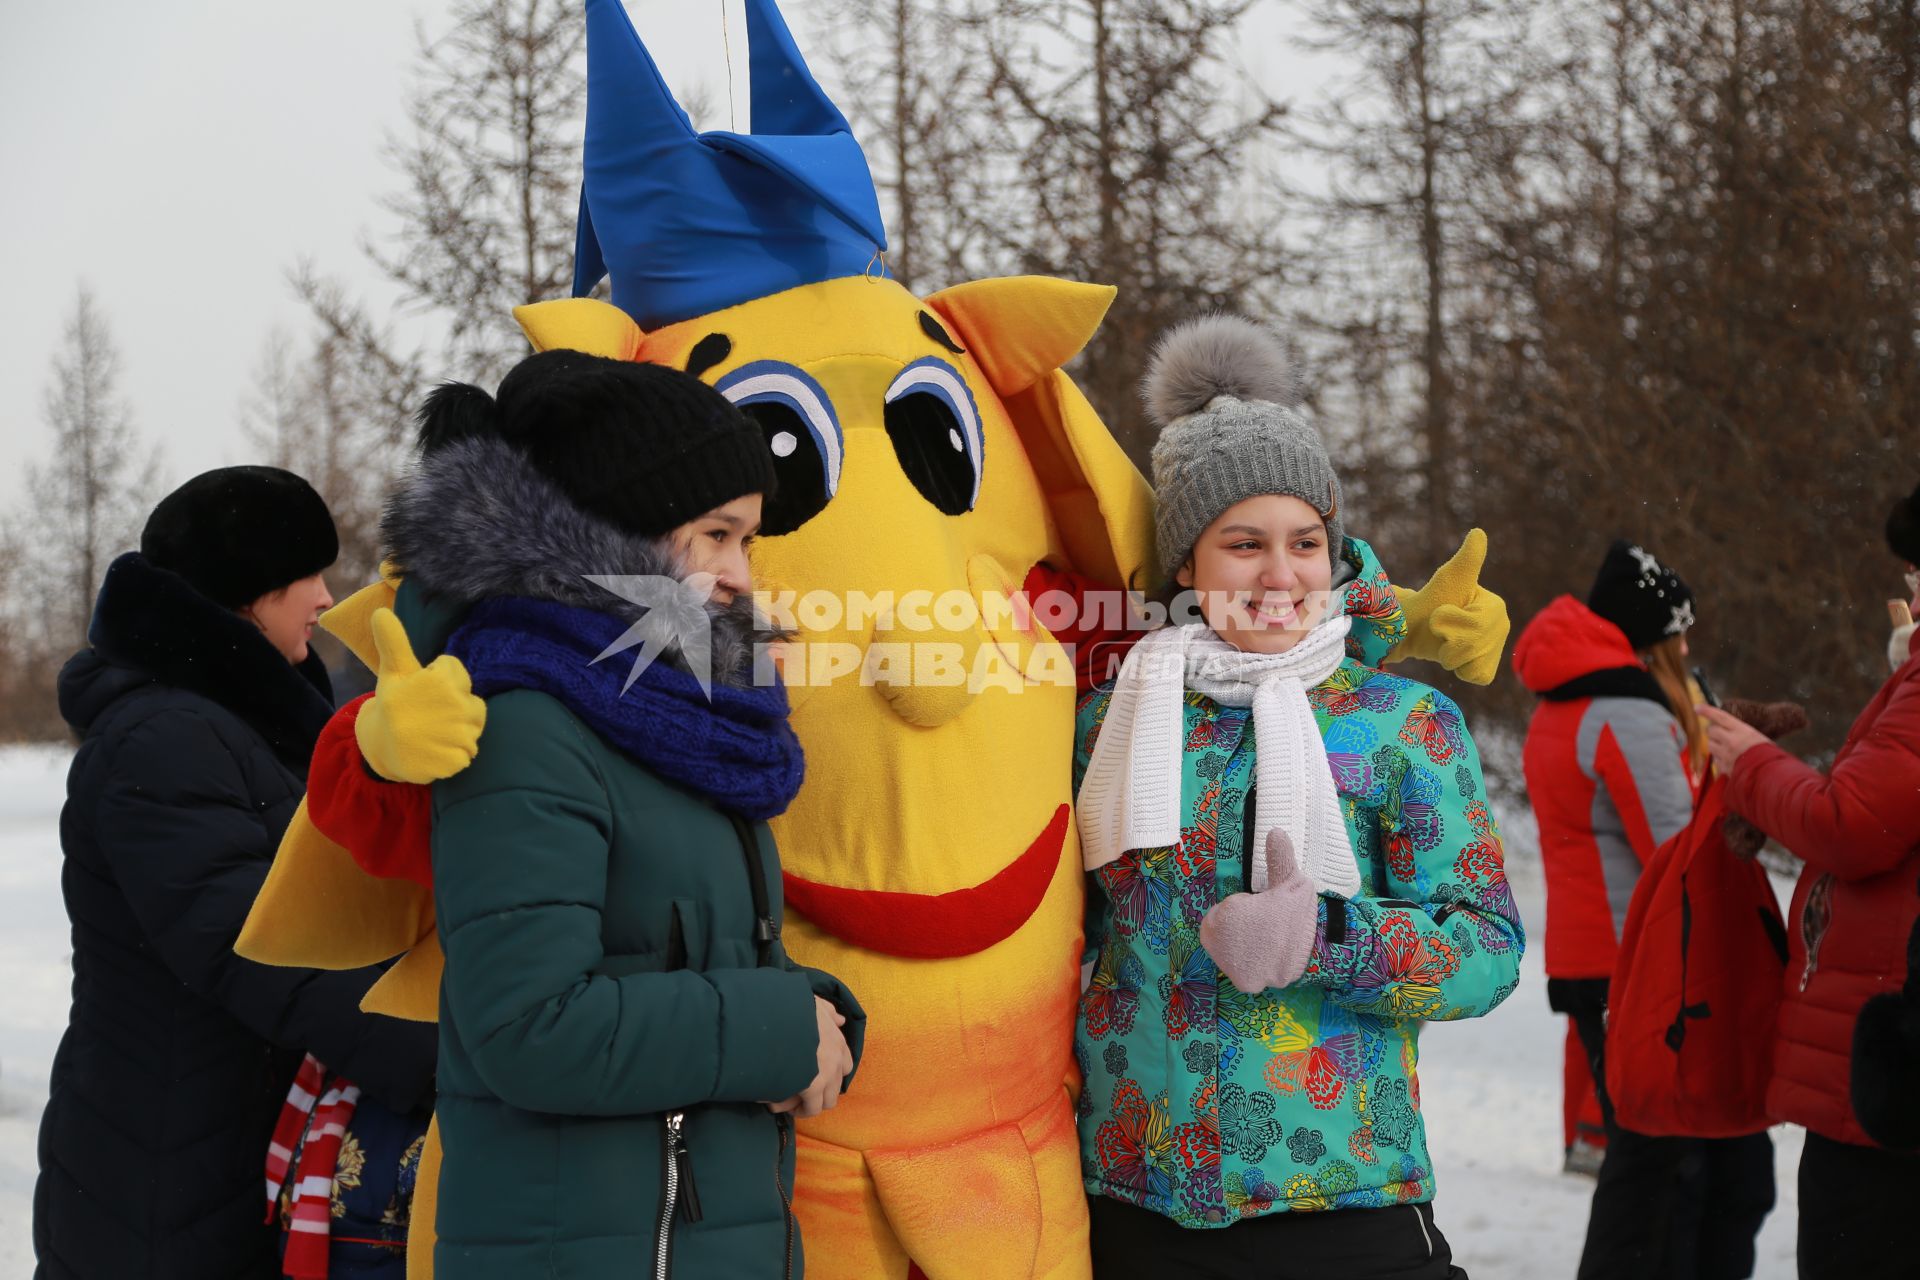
<point x="1294" y="867"/>
<point x="623" y="1040"/>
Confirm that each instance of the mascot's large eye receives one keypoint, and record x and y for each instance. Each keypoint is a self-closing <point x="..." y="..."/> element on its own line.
<point x="935" y="428"/>
<point x="803" y="435"/>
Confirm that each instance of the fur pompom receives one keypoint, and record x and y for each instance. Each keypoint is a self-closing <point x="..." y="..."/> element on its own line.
<point x="456" y="411"/>
<point x="1217" y="355"/>
<point x="1886" y="1061"/>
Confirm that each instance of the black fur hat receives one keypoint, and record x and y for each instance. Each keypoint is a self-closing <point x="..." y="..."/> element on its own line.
<point x="1903" y="528"/>
<point x="239" y="532"/>
<point x="642" y="446"/>
<point x="1641" y="596"/>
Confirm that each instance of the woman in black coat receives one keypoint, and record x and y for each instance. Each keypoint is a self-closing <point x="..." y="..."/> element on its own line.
<point x="197" y="702"/>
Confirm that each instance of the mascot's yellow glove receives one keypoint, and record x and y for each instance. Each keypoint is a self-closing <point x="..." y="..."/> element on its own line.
<point x="1455" y="621"/>
<point x="422" y="723"/>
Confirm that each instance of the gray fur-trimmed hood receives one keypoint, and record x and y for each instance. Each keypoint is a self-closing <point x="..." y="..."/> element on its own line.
<point x="474" y="521"/>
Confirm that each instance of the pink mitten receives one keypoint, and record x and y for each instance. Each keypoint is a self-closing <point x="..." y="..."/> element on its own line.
<point x="1264" y="939"/>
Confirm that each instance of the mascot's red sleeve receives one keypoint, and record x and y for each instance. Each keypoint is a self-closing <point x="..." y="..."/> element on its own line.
<point x="1097" y="649"/>
<point x="386" y="826"/>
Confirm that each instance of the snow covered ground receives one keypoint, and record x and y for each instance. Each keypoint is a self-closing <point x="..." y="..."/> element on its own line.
<point x="1491" y="1088"/>
<point x="34" y="953"/>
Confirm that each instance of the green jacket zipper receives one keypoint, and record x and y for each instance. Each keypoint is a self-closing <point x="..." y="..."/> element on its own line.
<point x="677" y="1190"/>
<point x="785" y="1125"/>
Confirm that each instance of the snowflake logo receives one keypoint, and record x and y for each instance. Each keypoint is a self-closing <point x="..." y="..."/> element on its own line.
<point x="1682" y="618"/>
<point x="674" y="620"/>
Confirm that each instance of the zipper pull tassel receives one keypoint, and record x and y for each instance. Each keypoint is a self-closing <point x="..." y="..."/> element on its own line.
<point x="683" y="1162"/>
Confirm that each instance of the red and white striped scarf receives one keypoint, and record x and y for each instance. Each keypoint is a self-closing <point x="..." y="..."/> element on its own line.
<point x="330" y="1112"/>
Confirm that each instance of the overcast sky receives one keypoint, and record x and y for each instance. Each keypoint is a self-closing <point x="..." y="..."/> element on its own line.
<point x="178" y="157"/>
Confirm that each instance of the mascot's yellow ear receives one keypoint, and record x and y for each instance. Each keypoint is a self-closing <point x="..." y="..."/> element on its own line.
<point x="351" y="621"/>
<point x="1099" y="501"/>
<point x="1021" y="328"/>
<point x="580" y="324"/>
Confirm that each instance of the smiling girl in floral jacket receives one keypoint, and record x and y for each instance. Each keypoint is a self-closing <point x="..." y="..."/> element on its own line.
<point x="1294" y="868"/>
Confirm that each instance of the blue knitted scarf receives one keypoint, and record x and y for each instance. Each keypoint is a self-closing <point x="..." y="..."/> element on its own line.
<point x="736" y="750"/>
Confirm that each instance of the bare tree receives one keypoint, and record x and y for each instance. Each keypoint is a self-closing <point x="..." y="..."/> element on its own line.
<point x="276" y="416"/>
<point x="493" y="174"/>
<point x="300" y="414"/>
<point x="386" y="374"/>
<point x="1437" y="103"/>
<point x="87" y="503"/>
<point x="904" y="71"/>
<point x="491" y="189"/>
<point x="1710" y="280"/>
<point x="1127" y="144"/>
<point x="28" y="711"/>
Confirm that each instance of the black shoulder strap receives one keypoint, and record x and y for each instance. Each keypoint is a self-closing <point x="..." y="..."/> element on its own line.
<point x="766" y="930"/>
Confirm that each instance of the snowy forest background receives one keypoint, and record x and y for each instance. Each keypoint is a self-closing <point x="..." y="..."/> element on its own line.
<point x="1562" y="268"/>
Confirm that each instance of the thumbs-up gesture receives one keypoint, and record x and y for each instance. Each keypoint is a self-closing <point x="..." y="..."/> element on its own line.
<point x="422" y="723"/>
<point x="1455" y="621"/>
<point x="1264" y="939"/>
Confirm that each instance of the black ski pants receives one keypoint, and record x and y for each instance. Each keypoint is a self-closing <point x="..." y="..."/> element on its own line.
<point x="1396" y="1243"/>
<point x="1665" y="1208"/>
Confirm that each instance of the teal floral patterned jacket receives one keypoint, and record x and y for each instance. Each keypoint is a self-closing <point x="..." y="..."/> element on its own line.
<point x="1209" y="1105"/>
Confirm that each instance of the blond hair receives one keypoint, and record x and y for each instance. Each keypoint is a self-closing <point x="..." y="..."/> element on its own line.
<point x="1668" y="666"/>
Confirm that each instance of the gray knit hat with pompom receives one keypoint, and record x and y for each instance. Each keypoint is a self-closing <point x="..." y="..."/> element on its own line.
<point x="1224" y="392"/>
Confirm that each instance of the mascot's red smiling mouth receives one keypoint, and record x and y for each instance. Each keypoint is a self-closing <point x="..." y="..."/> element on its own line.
<point x="937" y="926"/>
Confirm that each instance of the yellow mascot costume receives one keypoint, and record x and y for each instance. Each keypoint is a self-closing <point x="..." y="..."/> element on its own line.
<point x="932" y="455"/>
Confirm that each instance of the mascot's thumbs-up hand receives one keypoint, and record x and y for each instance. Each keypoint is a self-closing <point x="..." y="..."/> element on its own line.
<point x="1264" y="939"/>
<point x="422" y="723"/>
<point x="1455" y="621"/>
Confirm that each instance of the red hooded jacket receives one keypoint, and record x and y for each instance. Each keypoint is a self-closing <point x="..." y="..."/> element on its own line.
<point x="1857" y="826"/>
<point x="1606" y="771"/>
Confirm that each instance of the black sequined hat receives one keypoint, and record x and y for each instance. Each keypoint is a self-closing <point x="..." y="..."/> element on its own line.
<point x="1641" y="596"/>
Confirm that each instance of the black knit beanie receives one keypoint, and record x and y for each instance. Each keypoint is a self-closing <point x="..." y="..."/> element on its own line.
<point x="1641" y="596"/>
<point x="1903" y="528"/>
<point x="643" y="446"/>
<point x="239" y="532"/>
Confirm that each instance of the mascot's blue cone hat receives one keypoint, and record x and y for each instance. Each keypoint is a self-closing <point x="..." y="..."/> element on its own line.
<point x="686" y="223"/>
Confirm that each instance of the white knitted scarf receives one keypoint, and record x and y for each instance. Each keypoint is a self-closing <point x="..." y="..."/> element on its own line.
<point x="1130" y="796"/>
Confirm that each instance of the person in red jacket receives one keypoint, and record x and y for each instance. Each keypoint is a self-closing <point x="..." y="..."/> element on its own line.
<point x="1614" y="754"/>
<point x="1857" y="827"/>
